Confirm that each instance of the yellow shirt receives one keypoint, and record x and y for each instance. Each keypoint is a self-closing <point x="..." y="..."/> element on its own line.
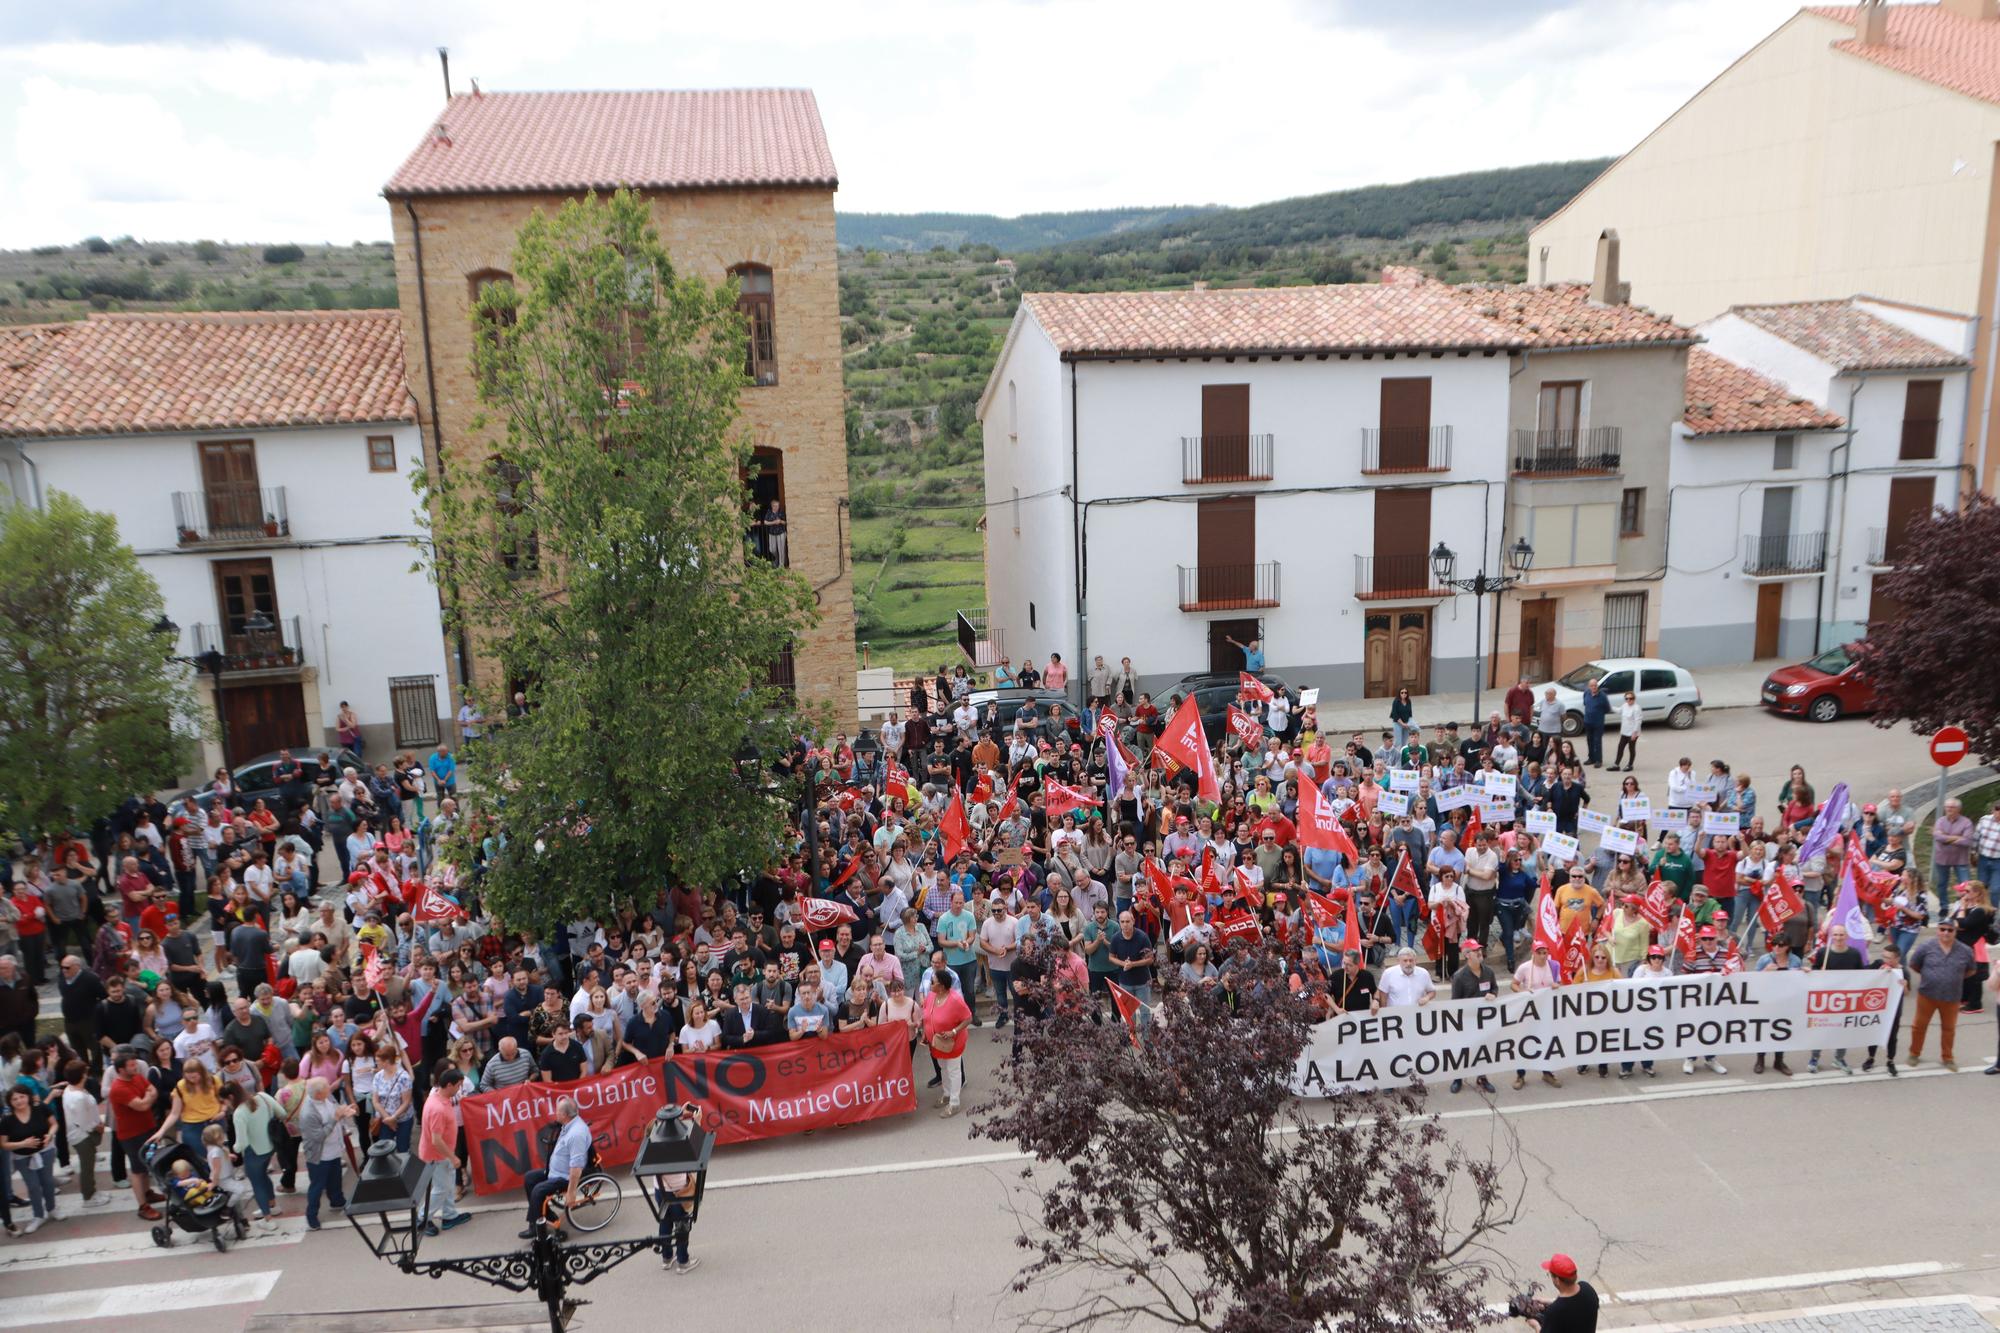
<point x="198" y="1108"/>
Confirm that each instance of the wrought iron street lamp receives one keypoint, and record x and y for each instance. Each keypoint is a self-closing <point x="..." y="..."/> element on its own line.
<point x="385" y="1209"/>
<point x="214" y="661"/>
<point x="1520" y="559"/>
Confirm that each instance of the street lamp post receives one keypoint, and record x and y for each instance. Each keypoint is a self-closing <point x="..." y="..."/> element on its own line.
<point x="214" y="662"/>
<point x="1520" y="558"/>
<point x="388" y="1200"/>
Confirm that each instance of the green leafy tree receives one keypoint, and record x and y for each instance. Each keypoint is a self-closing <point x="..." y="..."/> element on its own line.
<point x="208" y="252"/>
<point x="600" y="550"/>
<point x="89" y="696"/>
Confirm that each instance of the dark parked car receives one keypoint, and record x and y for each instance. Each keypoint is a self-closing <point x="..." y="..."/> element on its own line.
<point x="1213" y="693"/>
<point x="998" y="708"/>
<point x="1822" y="689"/>
<point x="254" y="780"/>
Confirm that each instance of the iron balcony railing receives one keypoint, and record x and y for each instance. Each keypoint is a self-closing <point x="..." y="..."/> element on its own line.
<point x="1229" y="587"/>
<point x="231" y="514"/>
<point x="251" y="650"/>
<point x="1566" y="452"/>
<point x="1785" y="553"/>
<point x="1384" y="577"/>
<point x="982" y="644"/>
<point x="783" y="673"/>
<point x="1405" y="449"/>
<point x="1208" y="459"/>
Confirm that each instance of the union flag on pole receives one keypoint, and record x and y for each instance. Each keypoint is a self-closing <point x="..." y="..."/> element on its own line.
<point x="824" y="914"/>
<point x="1186" y="744"/>
<point x="1247" y="891"/>
<point x="1236" y="925"/>
<point x="1319" y="827"/>
<point x="1548" y="927"/>
<point x="1780" y="903"/>
<point x="1129" y="1006"/>
<point x="1684" y="937"/>
<point x="1013" y="802"/>
<point x="434" y="904"/>
<point x="1733" y="960"/>
<point x="1576" y="952"/>
<point x="1158" y="881"/>
<point x="1062" y="799"/>
<point x="1249" y="687"/>
<point x="1245" y="727"/>
<point x="954" y="830"/>
<point x="1654" y="905"/>
<point x="372" y="970"/>
<point x="1405" y="879"/>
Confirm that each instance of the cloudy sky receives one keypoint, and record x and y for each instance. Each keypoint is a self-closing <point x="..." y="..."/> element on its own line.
<point x="274" y="120"/>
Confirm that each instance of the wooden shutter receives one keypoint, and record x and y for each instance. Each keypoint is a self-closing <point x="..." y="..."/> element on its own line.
<point x="1920" y="419"/>
<point x="1406" y="423"/>
<point x="1225" y="432"/>
<point x="1402" y="540"/>
<point x="1226" y="548"/>
<point x="1910" y="501"/>
<point x="229" y="483"/>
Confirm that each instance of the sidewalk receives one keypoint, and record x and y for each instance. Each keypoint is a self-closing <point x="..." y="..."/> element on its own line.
<point x="1721" y="687"/>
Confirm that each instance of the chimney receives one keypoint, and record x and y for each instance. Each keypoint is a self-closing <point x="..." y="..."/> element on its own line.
<point x="1979" y="11"/>
<point x="1871" y="23"/>
<point x="1605" y="289"/>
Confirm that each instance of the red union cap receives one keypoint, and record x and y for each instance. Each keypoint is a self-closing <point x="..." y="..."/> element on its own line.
<point x="1706" y="933"/>
<point x="1561" y="1266"/>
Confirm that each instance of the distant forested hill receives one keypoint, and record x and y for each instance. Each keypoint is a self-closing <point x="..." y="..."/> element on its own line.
<point x="925" y="231"/>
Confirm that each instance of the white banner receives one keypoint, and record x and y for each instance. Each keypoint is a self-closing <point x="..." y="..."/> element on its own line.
<point x="1673" y="1018"/>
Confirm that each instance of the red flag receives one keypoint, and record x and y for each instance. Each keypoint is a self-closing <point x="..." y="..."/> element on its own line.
<point x="1247" y="891"/>
<point x="1157" y="880"/>
<point x="1684" y="938"/>
<point x="954" y="829"/>
<point x="1318" y="827"/>
<point x="1322" y="911"/>
<point x="1235" y="925"/>
<point x="846" y="874"/>
<point x="1780" y="903"/>
<point x="1013" y="802"/>
<point x="1733" y="960"/>
<point x="1128" y="1008"/>
<point x="1405" y="879"/>
<point x="1249" y="687"/>
<point x="1245" y="727"/>
<point x="847" y="798"/>
<point x="1210" y="885"/>
<point x="1605" y="920"/>
<point x="1434" y="940"/>
<point x="1472" y="827"/>
<point x="1352" y="926"/>
<point x="435" y="905"/>
<point x="1060" y="799"/>
<point x="372" y="971"/>
<point x="824" y="913"/>
<point x="1576" y="952"/>
<point x="1548" y="932"/>
<point x="1654" y="905"/>
<point x="1107" y="725"/>
<point x="1187" y="745"/>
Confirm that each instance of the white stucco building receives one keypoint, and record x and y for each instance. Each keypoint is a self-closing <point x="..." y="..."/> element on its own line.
<point x="1168" y="472"/>
<point x="260" y="465"/>
<point x="1816" y="434"/>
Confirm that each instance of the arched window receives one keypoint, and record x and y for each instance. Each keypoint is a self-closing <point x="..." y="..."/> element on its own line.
<point x="757" y="300"/>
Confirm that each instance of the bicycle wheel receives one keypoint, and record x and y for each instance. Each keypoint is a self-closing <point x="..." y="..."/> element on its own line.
<point x="597" y="1200"/>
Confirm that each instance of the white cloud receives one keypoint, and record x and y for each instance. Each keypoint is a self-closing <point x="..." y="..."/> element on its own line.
<point x="250" y="125"/>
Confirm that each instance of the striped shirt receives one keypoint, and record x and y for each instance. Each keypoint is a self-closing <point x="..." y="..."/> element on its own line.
<point x="504" y="1073"/>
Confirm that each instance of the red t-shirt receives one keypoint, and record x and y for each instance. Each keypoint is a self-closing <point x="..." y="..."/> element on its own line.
<point x="942" y="1016"/>
<point x="129" y="1121"/>
<point x="28" y="904"/>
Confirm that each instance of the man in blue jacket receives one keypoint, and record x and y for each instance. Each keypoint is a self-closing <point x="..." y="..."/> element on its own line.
<point x="1595" y="709"/>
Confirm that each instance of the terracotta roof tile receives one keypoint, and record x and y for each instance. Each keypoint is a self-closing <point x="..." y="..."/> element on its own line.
<point x="1555" y="314"/>
<point x="147" y="374"/>
<point x="1847" y="337"/>
<point x="1929" y="43"/>
<point x="1353" y="317"/>
<point x="489" y="143"/>
<point x="1724" y="398"/>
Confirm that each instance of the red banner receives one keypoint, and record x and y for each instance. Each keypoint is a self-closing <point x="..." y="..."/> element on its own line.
<point x="763" y="1092"/>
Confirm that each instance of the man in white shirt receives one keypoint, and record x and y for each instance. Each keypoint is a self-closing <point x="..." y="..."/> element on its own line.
<point x="196" y="1041"/>
<point x="1405" y="984"/>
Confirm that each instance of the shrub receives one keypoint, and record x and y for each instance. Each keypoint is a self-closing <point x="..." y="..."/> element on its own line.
<point x="283" y="254"/>
<point x="97" y="245"/>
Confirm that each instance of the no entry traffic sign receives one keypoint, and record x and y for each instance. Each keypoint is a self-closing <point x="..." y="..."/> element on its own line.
<point x="1948" y="746"/>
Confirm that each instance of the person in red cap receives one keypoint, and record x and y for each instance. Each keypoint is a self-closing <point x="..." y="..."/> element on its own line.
<point x="1574" y="1310"/>
<point x="1708" y="958"/>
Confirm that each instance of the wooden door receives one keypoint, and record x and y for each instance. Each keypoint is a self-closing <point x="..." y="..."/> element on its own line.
<point x="1910" y="501"/>
<point x="1225" y="432"/>
<point x="1402" y="541"/>
<point x="1378" y="667"/>
<point x="1226" y="548"/>
<point x="1770" y="619"/>
<point x="1224" y="657"/>
<point x="241" y="587"/>
<point x="263" y="718"/>
<point x="1412" y="656"/>
<point x="229" y="486"/>
<point x="1538" y="638"/>
<point x="1406" y="423"/>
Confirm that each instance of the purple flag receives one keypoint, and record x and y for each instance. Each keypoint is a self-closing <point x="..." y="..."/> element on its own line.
<point x="1114" y="770"/>
<point x="1847" y="911"/>
<point x="1831" y="816"/>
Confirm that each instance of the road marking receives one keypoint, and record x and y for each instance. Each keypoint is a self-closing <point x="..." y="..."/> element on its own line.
<point x="1741" y="1286"/>
<point x="1985" y="1305"/>
<point x="142" y="1298"/>
<point x="126" y="1245"/>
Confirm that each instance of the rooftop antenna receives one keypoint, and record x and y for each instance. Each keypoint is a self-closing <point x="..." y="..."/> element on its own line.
<point x="444" y="63"/>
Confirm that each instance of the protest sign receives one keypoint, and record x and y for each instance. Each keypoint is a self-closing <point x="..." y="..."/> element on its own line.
<point x="1308" y="698"/>
<point x="1496" y="812"/>
<point x="759" y="1092"/>
<point x="1499" y="785"/>
<point x="1669" y="1019"/>
<point x="1635" y="809"/>
<point x="1540" y="821"/>
<point x="1722" y="821"/>
<point x="1560" y="847"/>
<point x="1393" y="803"/>
<point x="1456" y="798"/>
<point x="1404" y="779"/>
<point x="1621" y="840"/>
<point x="1592" y="821"/>
<point x="1670" y="820"/>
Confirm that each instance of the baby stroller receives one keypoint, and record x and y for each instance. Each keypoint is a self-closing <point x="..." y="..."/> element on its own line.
<point x="212" y="1214"/>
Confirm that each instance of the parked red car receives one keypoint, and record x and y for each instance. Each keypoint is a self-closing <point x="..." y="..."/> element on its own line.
<point x="1822" y="689"/>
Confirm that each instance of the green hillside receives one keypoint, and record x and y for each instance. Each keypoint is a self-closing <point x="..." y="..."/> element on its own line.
<point x="928" y="231"/>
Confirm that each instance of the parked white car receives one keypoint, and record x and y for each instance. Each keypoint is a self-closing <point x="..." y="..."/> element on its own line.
<point x="1667" y="693"/>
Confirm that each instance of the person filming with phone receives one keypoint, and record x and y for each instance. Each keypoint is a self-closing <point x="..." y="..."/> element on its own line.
<point x="1574" y="1310"/>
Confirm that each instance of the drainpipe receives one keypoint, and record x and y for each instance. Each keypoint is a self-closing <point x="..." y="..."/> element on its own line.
<point x="1846" y="449"/>
<point x="1077" y="668"/>
<point x="435" y="464"/>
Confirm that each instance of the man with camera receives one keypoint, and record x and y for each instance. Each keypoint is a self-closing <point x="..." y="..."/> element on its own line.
<point x="1574" y="1310"/>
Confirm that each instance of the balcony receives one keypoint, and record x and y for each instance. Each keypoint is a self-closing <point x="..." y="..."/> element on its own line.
<point x="231" y="514"/>
<point x="1384" y="578"/>
<point x="1785" y="555"/>
<point x="1209" y="460"/>
<point x="982" y="644"/>
<point x="1566" y="453"/>
<point x="1388" y="450"/>
<point x="274" y="649"/>
<point x="1229" y="587"/>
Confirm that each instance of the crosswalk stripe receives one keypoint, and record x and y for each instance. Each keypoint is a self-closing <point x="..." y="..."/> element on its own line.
<point x="126" y="1245"/>
<point x="141" y="1298"/>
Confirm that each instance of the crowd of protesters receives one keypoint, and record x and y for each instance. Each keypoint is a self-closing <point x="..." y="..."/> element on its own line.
<point x="221" y="984"/>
